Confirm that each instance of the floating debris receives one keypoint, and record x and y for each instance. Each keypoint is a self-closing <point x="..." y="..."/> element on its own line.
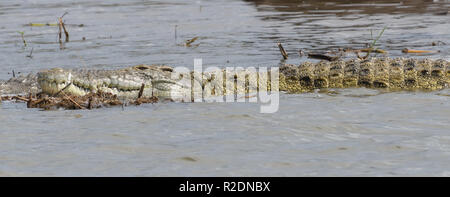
<point x="367" y="50"/>
<point x="301" y="53"/>
<point x="437" y="43"/>
<point x="52" y="25"/>
<point x="323" y="57"/>
<point x="282" y="51"/>
<point x="188" y="43"/>
<point x="42" y="24"/>
<point x="406" y="50"/>
<point x="62" y="100"/>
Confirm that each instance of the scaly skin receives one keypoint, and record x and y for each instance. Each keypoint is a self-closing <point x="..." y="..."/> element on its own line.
<point x="166" y="82"/>
<point x="391" y="74"/>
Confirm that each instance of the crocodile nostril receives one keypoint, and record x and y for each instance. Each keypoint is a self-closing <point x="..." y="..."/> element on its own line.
<point x="167" y="69"/>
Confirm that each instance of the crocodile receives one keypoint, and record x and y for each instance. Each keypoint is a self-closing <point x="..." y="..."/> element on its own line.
<point x="167" y="82"/>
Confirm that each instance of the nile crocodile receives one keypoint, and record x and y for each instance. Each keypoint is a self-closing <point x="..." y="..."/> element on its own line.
<point x="175" y="84"/>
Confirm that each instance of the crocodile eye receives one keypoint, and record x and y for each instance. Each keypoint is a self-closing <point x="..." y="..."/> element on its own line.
<point x="142" y="67"/>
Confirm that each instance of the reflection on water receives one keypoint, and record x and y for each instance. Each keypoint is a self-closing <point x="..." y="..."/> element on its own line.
<point x="330" y="25"/>
<point x="343" y="132"/>
<point x="351" y="7"/>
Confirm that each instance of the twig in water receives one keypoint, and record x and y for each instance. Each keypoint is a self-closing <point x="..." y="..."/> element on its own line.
<point x="373" y="50"/>
<point x="31" y="53"/>
<point x="23" y="38"/>
<point x="62" y="27"/>
<point x="59" y="32"/>
<point x="65" y="32"/>
<point x="189" y="42"/>
<point x="406" y="50"/>
<point x="51" y="25"/>
<point x="56" y="94"/>
<point x="41" y="24"/>
<point x="141" y="91"/>
<point x="38" y="102"/>
<point x="176" y="33"/>
<point x="20" y="98"/>
<point x="282" y="51"/>
<point x="30" y="101"/>
<point x="323" y="57"/>
<point x="90" y="103"/>
<point x="71" y="100"/>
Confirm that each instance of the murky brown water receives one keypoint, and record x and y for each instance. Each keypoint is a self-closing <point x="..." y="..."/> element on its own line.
<point x="357" y="132"/>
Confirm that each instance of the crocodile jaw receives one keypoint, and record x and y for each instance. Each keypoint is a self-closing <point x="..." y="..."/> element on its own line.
<point x="126" y="84"/>
<point x="54" y="80"/>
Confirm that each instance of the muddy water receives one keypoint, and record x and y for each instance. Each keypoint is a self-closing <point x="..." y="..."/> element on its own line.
<point x="356" y="132"/>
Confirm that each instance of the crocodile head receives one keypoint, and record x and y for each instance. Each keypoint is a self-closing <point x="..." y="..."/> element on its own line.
<point x="53" y="80"/>
<point x="125" y="83"/>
